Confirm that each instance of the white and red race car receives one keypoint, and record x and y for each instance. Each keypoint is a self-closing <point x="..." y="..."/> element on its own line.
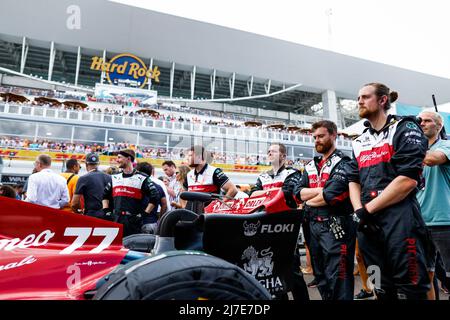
<point x="56" y="255"/>
<point x="52" y="254"/>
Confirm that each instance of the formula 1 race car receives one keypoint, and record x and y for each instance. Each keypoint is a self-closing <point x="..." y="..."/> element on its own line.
<point x="53" y="254"/>
<point x="241" y="252"/>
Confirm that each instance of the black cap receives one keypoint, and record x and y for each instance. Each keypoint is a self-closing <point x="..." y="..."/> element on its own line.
<point x="92" y="158"/>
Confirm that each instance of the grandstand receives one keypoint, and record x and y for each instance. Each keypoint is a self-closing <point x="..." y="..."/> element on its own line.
<point x="232" y="91"/>
<point x="31" y="127"/>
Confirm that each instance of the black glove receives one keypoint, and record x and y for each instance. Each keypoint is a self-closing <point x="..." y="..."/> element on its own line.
<point x="365" y="221"/>
<point x="290" y="201"/>
<point x="135" y="218"/>
<point x="361" y="214"/>
<point x="307" y="213"/>
<point x="289" y="187"/>
<point x="307" y="209"/>
<point x="108" y="214"/>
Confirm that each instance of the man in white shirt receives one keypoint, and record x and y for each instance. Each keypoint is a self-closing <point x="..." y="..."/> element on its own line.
<point x="170" y="168"/>
<point x="46" y="187"/>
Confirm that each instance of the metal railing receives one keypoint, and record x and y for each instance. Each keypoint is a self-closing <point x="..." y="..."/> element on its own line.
<point x="188" y="107"/>
<point x="151" y="124"/>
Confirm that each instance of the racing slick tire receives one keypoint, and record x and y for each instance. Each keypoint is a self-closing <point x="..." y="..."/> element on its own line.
<point x="142" y="242"/>
<point x="181" y="275"/>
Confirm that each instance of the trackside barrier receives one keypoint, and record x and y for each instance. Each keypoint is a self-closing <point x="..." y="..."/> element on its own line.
<point x="30" y="155"/>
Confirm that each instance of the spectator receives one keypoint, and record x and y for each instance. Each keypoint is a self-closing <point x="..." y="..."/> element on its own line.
<point x="434" y="198"/>
<point x="19" y="191"/>
<point x="169" y="168"/>
<point x="90" y="189"/>
<point x="165" y="180"/>
<point x="25" y="186"/>
<point x="150" y="222"/>
<point x="181" y="174"/>
<point x="7" y="191"/>
<point x="46" y="187"/>
<point x="71" y="176"/>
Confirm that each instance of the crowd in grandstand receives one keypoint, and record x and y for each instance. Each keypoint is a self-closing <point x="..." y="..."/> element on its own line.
<point x="141" y="151"/>
<point x="168" y="117"/>
<point x="162" y="112"/>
